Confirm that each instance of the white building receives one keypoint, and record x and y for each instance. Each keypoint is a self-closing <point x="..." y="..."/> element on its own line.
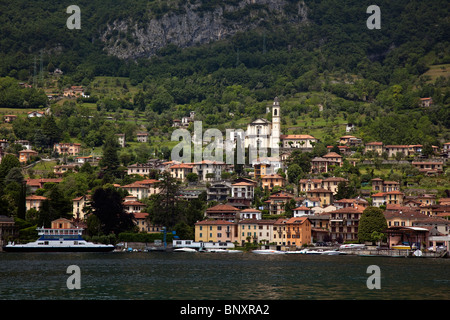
<point x="263" y="134"/>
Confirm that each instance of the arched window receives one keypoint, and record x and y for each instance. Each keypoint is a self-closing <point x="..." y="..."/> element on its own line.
<point x="275" y="112"/>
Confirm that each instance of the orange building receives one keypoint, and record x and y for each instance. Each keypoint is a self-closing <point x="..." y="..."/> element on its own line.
<point x="25" y="155"/>
<point x="298" y="231"/>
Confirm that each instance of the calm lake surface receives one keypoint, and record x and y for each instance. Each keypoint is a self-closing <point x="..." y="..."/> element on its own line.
<point x="219" y="276"/>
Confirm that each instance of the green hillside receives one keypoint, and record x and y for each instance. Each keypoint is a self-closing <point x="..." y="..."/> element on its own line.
<point x="329" y="58"/>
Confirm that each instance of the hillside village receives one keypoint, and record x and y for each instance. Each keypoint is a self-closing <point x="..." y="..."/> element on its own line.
<point x="267" y="201"/>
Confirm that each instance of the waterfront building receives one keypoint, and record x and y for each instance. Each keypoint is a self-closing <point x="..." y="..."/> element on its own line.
<point x="298" y="231"/>
<point x="320" y="226"/>
<point x="248" y="231"/>
<point x="215" y="231"/>
<point x="344" y="223"/>
<point x="279" y="232"/>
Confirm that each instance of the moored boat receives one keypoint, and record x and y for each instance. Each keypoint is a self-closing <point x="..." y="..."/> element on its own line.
<point x="331" y="253"/>
<point x="184" y="250"/>
<point x="59" y="240"/>
<point x="268" y="251"/>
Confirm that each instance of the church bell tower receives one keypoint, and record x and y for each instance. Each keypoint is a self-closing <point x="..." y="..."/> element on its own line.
<point x="276" y="125"/>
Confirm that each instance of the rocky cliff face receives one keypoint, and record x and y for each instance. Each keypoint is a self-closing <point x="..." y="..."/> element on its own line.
<point x="128" y="39"/>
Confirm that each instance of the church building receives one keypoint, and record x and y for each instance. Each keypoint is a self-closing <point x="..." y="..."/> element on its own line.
<point x="263" y="134"/>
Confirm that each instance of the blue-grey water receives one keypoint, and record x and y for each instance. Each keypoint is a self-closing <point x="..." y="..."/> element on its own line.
<point x="219" y="276"/>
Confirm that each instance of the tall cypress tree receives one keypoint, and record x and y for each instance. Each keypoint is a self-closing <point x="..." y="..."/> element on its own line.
<point x="110" y="159"/>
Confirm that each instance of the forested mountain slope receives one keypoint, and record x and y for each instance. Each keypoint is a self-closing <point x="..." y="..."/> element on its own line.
<point x="231" y="57"/>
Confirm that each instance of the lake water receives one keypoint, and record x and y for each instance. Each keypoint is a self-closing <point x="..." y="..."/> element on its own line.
<point x="219" y="276"/>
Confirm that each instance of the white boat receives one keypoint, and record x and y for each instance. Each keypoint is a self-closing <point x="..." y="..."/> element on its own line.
<point x="331" y="253"/>
<point x="268" y="251"/>
<point x="352" y="246"/>
<point x="297" y="251"/>
<point x="184" y="250"/>
<point x="216" y="250"/>
<point x="59" y="240"/>
<point x="313" y="252"/>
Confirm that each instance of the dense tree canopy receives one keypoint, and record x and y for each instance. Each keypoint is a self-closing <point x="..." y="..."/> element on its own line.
<point x="372" y="220"/>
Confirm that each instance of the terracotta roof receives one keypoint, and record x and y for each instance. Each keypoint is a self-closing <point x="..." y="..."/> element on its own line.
<point x="208" y="222"/>
<point x="133" y="185"/>
<point x="310" y="180"/>
<point x="332" y="155"/>
<point x="375" y="143"/>
<point x="148" y="181"/>
<point x="302" y="209"/>
<point x="35" y="197"/>
<point x="297" y="220"/>
<point x="140" y="215"/>
<point x="182" y="166"/>
<point x="133" y="203"/>
<point x="349" y="210"/>
<point x="272" y="176"/>
<point x="296" y="136"/>
<point x="319" y="190"/>
<point x="248" y="221"/>
<point x="243" y="184"/>
<point x="250" y="210"/>
<point x="222" y="207"/>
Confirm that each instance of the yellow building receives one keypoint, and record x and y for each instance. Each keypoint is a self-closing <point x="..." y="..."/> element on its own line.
<point x="248" y="231"/>
<point x="215" y="231"/>
<point x="325" y="196"/>
<point x="34" y="202"/>
<point x="272" y="180"/>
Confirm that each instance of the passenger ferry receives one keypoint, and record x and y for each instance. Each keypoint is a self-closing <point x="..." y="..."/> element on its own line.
<point x="59" y="240"/>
